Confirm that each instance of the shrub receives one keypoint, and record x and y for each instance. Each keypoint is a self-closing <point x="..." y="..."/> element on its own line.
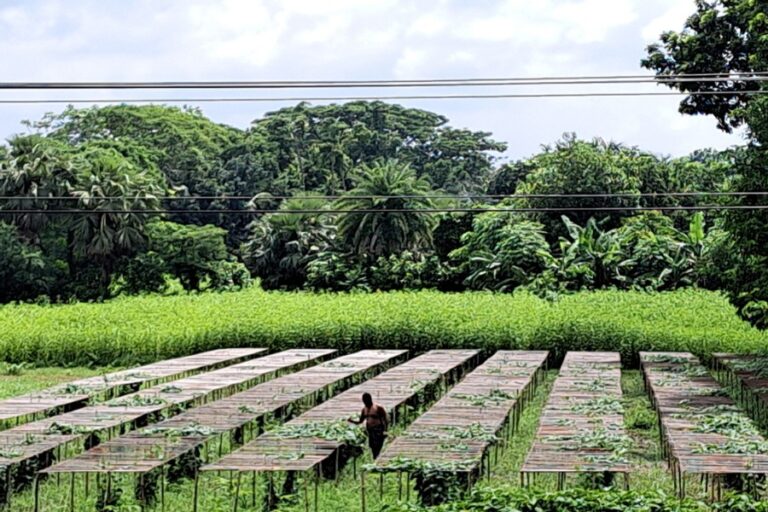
<point x="133" y="330"/>
<point x="489" y="499"/>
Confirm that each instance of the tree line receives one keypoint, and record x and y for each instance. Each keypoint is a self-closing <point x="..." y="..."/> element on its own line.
<point x="115" y="165"/>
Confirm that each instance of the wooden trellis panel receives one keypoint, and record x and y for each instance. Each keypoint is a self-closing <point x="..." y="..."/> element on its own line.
<point x="393" y="390"/>
<point x="583" y="409"/>
<point x="686" y="396"/>
<point x="149" y="448"/>
<point x="457" y="431"/>
<point x="52" y="439"/>
<point x="65" y="397"/>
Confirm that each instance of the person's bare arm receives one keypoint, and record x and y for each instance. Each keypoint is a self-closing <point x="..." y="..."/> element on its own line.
<point x="383" y="416"/>
<point x="360" y="421"/>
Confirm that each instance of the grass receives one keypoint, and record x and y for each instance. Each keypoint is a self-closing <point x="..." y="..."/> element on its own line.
<point x="33" y="379"/>
<point x="131" y="331"/>
<point x="649" y="470"/>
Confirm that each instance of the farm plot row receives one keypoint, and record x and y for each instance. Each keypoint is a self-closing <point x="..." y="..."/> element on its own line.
<point x="36" y="445"/>
<point x="703" y="431"/>
<point x="49" y="402"/>
<point x="460" y="436"/>
<point x="581" y="429"/>
<point x="292" y="430"/>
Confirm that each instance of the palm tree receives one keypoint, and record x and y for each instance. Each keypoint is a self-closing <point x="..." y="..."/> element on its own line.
<point x="35" y="174"/>
<point x="395" y="190"/>
<point x="115" y="195"/>
<point x="282" y="244"/>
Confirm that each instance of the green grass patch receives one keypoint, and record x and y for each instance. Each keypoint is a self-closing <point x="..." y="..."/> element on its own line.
<point x="34" y="379"/>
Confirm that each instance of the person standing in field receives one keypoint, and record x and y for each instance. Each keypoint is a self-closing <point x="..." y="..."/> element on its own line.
<point x="375" y="418"/>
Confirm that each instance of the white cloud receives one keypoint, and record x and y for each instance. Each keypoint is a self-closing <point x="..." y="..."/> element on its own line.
<point x="244" y="31"/>
<point x="411" y="63"/>
<point x="428" y="25"/>
<point x="353" y="39"/>
<point x="673" y="18"/>
<point x="551" y="22"/>
<point x="592" y="21"/>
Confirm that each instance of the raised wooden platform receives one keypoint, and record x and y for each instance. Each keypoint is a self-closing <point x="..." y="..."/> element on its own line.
<point x="581" y="429"/>
<point x="703" y="431"/>
<point x="65" y="397"/>
<point x="456" y="433"/>
<point x="153" y="447"/>
<point x="287" y="448"/>
<point x="42" y="442"/>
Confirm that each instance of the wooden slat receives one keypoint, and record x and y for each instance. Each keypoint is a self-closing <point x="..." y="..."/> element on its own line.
<point x="153" y="447"/>
<point x="686" y="395"/>
<point x="486" y="401"/>
<point x="392" y="390"/>
<point x="36" y="442"/>
<point x="747" y="375"/>
<point x="586" y="380"/>
<point x="64" y="397"/>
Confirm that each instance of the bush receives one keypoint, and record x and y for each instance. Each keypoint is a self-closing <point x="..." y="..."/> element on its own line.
<point x="133" y="330"/>
<point x="488" y="499"/>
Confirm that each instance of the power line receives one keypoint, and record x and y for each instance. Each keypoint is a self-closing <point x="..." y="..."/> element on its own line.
<point x="449" y="82"/>
<point x="331" y="197"/>
<point x="298" y="99"/>
<point x="380" y="211"/>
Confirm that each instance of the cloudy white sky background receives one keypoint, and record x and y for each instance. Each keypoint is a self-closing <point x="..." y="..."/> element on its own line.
<point x="153" y="40"/>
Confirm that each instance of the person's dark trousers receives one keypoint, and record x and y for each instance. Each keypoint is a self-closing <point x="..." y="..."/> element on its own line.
<point x="376" y="436"/>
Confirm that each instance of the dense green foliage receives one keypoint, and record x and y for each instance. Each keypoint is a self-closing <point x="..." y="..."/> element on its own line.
<point x="729" y="36"/>
<point x="495" y="499"/>
<point x="319" y="148"/>
<point x="372" y="233"/>
<point x="117" y="165"/>
<point x="134" y="330"/>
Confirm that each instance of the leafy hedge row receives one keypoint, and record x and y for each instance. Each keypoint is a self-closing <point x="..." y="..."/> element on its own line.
<point x="489" y="499"/>
<point x="137" y="330"/>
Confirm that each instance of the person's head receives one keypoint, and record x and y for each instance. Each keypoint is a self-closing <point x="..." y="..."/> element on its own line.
<point x="367" y="399"/>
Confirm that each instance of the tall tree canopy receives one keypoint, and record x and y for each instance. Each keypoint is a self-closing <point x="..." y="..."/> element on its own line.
<point x="729" y="36"/>
<point x="723" y="37"/>
<point x="180" y="143"/>
<point x="574" y="166"/>
<point x="318" y="148"/>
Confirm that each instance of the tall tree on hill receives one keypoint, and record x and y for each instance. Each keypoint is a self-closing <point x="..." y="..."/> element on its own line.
<point x="725" y="37"/>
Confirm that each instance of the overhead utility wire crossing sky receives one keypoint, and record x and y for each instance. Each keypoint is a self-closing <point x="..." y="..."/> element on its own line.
<point x="451" y="82"/>
<point x="296" y="99"/>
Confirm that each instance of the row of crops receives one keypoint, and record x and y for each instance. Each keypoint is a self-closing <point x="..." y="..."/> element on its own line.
<point x="273" y="428"/>
<point x="143" y="329"/>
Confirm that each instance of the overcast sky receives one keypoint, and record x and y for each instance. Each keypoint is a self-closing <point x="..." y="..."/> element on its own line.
<point x="151" y="40"/>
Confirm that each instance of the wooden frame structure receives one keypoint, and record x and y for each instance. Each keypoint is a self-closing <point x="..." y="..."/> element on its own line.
<point x="464" y="431"/>
<point x="581" y="429"/>
<point x="689" y="400"/>
<point x="284" y="451"/>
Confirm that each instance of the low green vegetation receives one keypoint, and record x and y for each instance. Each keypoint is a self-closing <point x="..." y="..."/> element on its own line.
<point x="32" y="379"/>
<point x="144" y="329"/>
<point x="507" y="499"/>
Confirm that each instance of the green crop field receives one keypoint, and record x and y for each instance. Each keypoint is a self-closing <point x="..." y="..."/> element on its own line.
<point x="130" y="331"/>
